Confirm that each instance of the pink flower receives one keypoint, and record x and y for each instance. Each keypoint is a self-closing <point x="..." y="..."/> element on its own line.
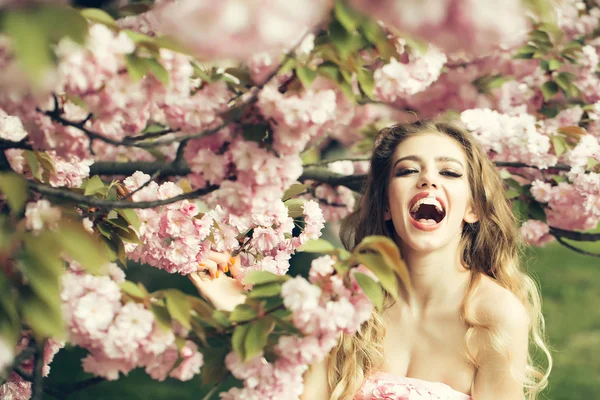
<point x="392" y="391"/>
<point x="536" y="232"/>
<point x="11" y="128"/>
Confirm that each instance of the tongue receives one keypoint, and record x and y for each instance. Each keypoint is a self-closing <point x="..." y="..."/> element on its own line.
<point x="427" y="221"/>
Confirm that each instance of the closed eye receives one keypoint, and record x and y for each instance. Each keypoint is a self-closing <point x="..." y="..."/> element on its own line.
<point x="451" y="174"/>
<point x="404" y="172"/>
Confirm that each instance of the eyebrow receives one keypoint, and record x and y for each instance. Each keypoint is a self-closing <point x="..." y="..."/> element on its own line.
<point x="420" y="160"/>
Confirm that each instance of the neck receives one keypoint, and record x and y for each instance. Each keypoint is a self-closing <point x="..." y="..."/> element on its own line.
<point x="438" y="277"/>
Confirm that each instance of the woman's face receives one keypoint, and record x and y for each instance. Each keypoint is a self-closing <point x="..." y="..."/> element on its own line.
<point x="429" y="194"/>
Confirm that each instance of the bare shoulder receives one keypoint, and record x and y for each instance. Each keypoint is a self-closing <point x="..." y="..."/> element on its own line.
<point x="498" y="308"/>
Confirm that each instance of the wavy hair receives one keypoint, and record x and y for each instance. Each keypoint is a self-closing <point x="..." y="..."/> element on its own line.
<point x="491" y="247"/>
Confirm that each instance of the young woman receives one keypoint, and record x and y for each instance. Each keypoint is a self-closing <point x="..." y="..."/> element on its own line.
<point x="466" y="328"/>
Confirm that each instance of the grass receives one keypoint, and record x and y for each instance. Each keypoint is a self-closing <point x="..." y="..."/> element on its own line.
<point x="570" y="285"/>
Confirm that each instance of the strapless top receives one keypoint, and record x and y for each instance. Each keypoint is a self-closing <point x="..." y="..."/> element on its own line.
<point x="384" y="386"/>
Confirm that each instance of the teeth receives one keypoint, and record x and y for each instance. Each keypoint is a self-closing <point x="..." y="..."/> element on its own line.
<point x="427" y="200"/>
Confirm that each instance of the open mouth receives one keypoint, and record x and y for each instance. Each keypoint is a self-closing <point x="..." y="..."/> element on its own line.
<point x="427" y="210"/>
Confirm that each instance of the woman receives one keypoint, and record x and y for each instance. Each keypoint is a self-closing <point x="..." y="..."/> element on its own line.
<point x="465" y="330"/>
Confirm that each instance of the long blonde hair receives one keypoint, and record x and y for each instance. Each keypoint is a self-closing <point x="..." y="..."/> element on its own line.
<point x="490" y="246"/>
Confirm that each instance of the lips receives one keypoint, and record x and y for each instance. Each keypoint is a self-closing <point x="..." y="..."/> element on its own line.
<point x="426" y="221"/>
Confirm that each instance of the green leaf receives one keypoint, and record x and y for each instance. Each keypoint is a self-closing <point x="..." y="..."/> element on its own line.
<point x="44" y="319"/>
<point x="520" y="210"/>
<point x="511" y="194"/>
<point x="137" y="67"/>
<point x="31" y="42"/>
<point x="386" y="261"/>
<point x="178" y="306"/>
<point x="366" y="81"/>
<point x="130" y="216"/>
<point x="349" y="18"/>
<point x="376" y="263"/>
<point x="554" y="64"/>
<point x="221" y="317"/>
<point x="560" y="144"/>
<point x="138" y="291"/>
<point x="157" y="69"/>
<point x="42" y="271"/>
<point x="294" y="190"/>
<point x="536" y="211"/>
<point x="33" y="163"/>
<point x="262" y="277"/>
<point x="237" y="340"/>
<point x="100" y="16"/>
<point x="161" y="315"/>
<point x="341" y="39"/>
<point x="377" y="35"/>
<point x="549" y="89"/>
<point x="242" y="313"/>
<point x="94" y="185"/>
<point x="317" y="246"/>
<point x="267" y="290"/>
<point x="329" y="70"/>
<point x="306" y="76"/>
<point x="60" y="22"/>
<point x="256" y="337"/>
<point x="295" y="207"/>
<point x="213" y="369"/>
<point x="81" y="246"/>
<point x="371" y="288"/>
<point x="14" y="187"/>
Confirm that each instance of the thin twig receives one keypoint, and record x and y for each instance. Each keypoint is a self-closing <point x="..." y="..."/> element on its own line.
<point x="93" y="201"/>
<point x="151" y="179"/>
<point x="578" y="250"/>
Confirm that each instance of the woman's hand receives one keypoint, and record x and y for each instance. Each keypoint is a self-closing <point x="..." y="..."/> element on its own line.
<point x="224" y="292"/>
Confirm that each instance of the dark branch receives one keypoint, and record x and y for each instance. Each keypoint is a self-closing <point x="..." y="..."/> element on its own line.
<point x="574" y="235"/>
<point x="578" y="250"/>
<point x="324" y="175"/>
<point x="129" y="168"/>
<point x="66" y="194"/>
<point x="37" y="384"/>
<point x="9" y="144"/>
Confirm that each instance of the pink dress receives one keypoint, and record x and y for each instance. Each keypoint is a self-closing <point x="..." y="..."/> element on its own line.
<point x="384" y="386"/>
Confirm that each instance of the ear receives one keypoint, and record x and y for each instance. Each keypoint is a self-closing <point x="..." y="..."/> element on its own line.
<point x="470" y="216"/>
<point x="387" y="215"/>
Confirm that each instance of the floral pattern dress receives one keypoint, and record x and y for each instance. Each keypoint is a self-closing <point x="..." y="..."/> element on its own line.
<point x="383" y="386"/>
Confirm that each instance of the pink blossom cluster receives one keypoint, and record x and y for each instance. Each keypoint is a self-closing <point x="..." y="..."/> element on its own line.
<point x="398" y="80"/>
<point x="234" y="29"/>
<point x="16" y="388"/>
<point x="41" y="214"/>
<point x="11" y="128"/>
<point x="121" y="336"/>
<point x="575" y="20"/>
<point x="69" y="171"/>
<point x="177" y="237"/>
<point x="297" y="118"/>
<point x="322" y="309"/>
<point x="473" y="26"/>
<point x="510" y="138"/>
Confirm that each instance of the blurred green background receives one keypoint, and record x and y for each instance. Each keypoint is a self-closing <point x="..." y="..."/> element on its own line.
<point x="570" y="285"/>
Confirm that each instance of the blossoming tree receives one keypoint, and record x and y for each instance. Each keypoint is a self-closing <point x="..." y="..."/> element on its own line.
<point x="163" y="134"/>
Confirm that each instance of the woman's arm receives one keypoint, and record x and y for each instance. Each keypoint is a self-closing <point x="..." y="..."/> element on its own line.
<point x="501" y="370"/>
<point x="315" y="382"/>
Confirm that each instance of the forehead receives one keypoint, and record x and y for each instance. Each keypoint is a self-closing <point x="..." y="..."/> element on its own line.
<point x="430" y="145"/>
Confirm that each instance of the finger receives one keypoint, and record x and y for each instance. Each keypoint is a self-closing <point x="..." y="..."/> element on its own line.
<point x="234" y="266"/>
<point x="219" y="257"/>
<point x="223" y="266"/>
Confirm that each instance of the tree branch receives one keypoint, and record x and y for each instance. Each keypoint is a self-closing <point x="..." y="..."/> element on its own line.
<point x="37" y="384"/>
<point x="571" y="247"/>
<point x="354" y="182"/>
<point x="9" y="144"/>
<point x="66" y="194"/>
<point x="574" y="235"/>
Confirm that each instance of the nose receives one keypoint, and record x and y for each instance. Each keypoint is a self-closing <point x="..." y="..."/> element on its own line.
<point x="427" y="180"/>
